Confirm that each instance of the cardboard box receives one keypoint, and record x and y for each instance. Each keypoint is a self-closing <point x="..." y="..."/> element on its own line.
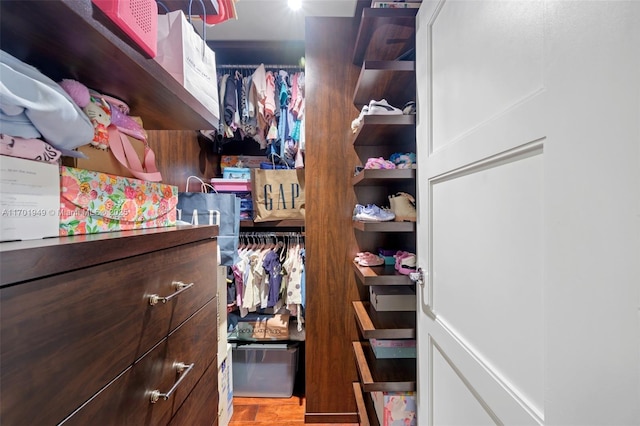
<point x="395" y="408"/>
<point x="93" y="202"/>
<point x="404" y="348"/>
<point x="231" y="185"/>
<point x="249" y="161"/>
<point x="29" y="199"/>
<point x="262" y="327"/>
<point x="392" y="297"/>
<point x="103" y="161"/>
<point x="225" y="389"/>
<point x="222" y="314"/>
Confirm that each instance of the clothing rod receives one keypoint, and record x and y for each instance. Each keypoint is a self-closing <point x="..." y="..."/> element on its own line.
<point x="272" y="234"/>
<point x="244" y="66"/>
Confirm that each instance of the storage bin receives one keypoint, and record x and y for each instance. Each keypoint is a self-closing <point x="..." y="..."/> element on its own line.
<point x="236" y="173"/>
<point x="231" y="185"/>
<point x="264" y="370"/>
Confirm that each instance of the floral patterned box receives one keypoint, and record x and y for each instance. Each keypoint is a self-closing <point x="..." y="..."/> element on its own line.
<point x="93" y="202"/>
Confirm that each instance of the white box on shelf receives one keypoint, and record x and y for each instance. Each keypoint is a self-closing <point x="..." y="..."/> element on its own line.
<point x="225" y="389"/>
<point x="29" y="199"/>
<point x="395" y="408"/>
<point x="222" y="315"/>
<point x="392" y="298"/>
<point x="396" y="348"/>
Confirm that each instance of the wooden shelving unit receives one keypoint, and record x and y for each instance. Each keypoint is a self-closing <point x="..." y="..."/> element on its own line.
<point x="384" y="43"/>
<point x="392" y="80"/>
<point x="390" y="375"/>
<point x="384" y="226"/>
<point x="383" y="176"/>
<point x="379" y="275"/>
<point x="384" y="325"/>
<point x="384" y="34"/>
<point x="382" y="130"/>
<point x="73" y="39"/>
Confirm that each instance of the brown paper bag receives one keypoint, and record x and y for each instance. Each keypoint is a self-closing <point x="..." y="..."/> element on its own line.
<point x="103" y="161"/>
<point x="277" y="194"/>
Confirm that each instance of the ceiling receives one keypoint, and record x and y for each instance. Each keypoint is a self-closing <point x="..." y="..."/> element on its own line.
<point x="268" y="32"/>
<point x="272" y="20"/>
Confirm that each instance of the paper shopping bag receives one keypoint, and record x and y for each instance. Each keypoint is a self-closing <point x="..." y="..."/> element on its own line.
<point x="277" y="194"/>
<point x="185" y="55"/>
<point x="212" y="208"/>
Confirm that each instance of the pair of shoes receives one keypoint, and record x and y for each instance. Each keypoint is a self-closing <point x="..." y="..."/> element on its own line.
<point x="356" y="123"/>
<point x="372" y="213"/>
<point x="368" y="259"/>
<point x="379" y="163"/>
<point x="409" y="108"/>
<point x="403" y="161"/>
<point x="382" y="107"/>
<point x="405" y="262"/>
<point x="403" y="207"/>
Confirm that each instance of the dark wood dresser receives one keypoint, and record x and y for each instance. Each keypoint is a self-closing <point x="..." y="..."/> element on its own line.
<point x="110" y="329"/>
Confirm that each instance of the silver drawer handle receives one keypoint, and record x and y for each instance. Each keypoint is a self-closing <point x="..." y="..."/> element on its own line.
<point x="182" y="369"/>
<point x="154" y="299"/>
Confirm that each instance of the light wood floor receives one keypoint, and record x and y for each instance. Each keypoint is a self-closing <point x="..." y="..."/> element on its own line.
<point x="271" y="411"/>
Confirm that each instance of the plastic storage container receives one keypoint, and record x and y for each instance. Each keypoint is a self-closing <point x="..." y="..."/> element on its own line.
<point x="264" y="370"/>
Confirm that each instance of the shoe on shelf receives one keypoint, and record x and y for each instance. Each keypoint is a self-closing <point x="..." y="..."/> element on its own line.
<point x="379" y="163"/>
<point x="382" y="107"/>
<point x="356" y="123"/>
<point x="368" y="259"/>
<point x="403" y="207"/>
<point x="409" y="108"/>
<point x="372" y="213"/>
<point x="405" y="262"/>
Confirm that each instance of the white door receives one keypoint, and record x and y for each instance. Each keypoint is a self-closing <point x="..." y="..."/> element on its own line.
<point x="529" y="212"/>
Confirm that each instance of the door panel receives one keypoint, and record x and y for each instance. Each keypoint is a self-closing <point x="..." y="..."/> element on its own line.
<point x="528" y="181"/>
<point x="450" y="385"/>
<point x="492" y="299"/>
<point x="499" y="42"/>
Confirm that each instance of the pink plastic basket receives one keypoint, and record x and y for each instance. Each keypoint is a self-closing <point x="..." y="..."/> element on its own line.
<point x="137" y="18"/>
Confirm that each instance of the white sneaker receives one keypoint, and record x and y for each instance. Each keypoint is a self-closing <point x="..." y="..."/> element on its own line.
<point x="356" y="123"/>
<point x="372" y="213"/>
<point x="382" y="107"/>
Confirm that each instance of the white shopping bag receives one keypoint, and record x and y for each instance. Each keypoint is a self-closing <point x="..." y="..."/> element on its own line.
<point x="183" y="53"/>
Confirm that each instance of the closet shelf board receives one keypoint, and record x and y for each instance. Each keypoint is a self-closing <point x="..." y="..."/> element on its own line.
<point x="384" y="34"/>
<point x="384" y="325"/>
<point x="384" y="130"/>
<point x="380" y="275"/>
<point x="382" y="176"/>
<point x="390" y="375"/>
<point x="394" y="81"/>
<point x="72" y="39"/>
<point x="287" y="223"/>
<point x="384" y="226"/>
<point x="363" y="418"/>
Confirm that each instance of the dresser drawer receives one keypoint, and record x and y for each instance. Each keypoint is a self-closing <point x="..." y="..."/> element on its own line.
<point x="127" y="400"/>
<point x="201" y="409"/>
<point x="66" y="336"/>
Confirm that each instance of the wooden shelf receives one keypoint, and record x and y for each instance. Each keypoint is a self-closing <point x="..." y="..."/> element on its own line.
<point x="385" y="130"/>
<point x="384" y="226"/>
<point x="384" y="34"/>
<point x="384" y="325"/>
<point x="72" y="39"/>
<point x="287" y="223"/>
<point x="394" y="81"/>
<point x="390" y="375"/>
<point x="382" y="176"/>
<point x="380" y="275"/>
<point x="363" y="417"/>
